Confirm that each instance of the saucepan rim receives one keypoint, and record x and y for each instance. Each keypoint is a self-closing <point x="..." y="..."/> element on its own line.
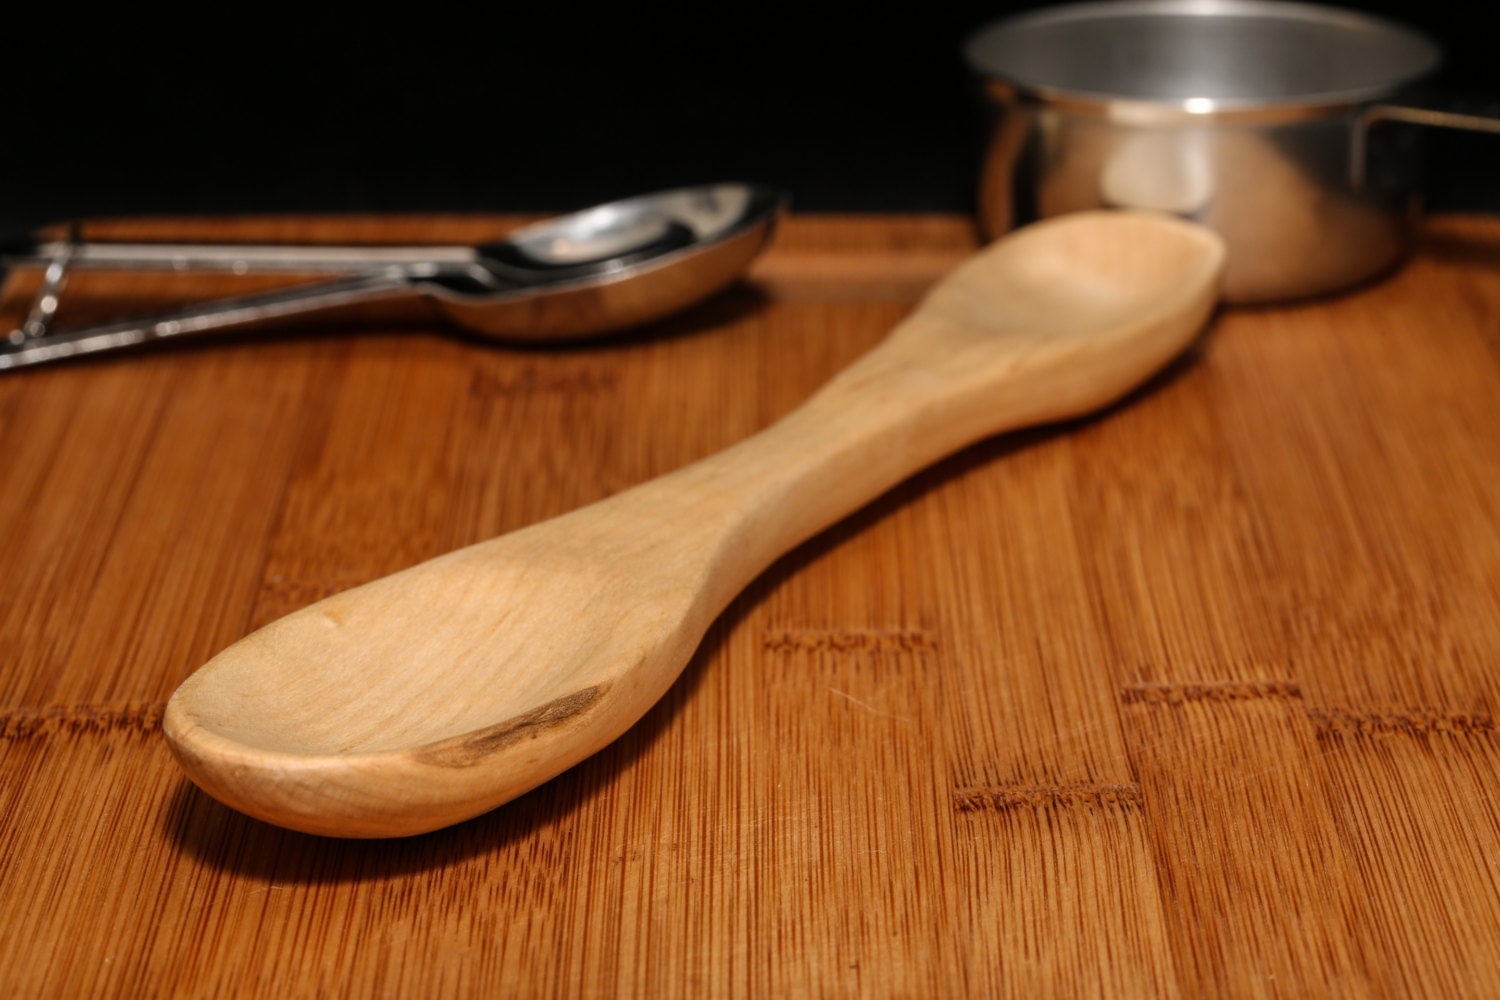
<point x="1006" y="55"/>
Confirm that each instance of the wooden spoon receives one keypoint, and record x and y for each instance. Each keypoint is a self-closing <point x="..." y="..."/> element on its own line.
<point x="440" y="692"/>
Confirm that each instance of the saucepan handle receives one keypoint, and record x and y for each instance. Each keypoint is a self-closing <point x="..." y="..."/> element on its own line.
<point x="1434" y="111"/>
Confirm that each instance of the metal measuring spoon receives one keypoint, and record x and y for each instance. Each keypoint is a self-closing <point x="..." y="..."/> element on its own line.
<point x="603" y="269"/>
<point x="441" y="691"/>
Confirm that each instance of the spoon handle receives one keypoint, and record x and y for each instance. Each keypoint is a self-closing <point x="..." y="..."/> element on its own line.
<point x="23" y="347"/>
<point x="744" y="507"/>
<point x="238" y="258"/>
<point x="928" y="390"/>
<point x="931" y="388"/>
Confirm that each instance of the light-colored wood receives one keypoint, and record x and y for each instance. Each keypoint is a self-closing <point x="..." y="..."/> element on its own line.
<point x="438" y="693"/>
<point x="1193" y="700"/>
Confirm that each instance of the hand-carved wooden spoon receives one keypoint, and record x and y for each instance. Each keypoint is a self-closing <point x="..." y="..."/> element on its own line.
<point x="438" y="693"/>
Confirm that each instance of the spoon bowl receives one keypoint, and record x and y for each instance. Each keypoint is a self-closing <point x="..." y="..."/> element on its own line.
<point x="612" y="267"/>
<point x="437" y="693"/>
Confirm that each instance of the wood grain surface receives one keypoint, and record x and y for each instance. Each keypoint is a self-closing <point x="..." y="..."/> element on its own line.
<point x="1194" y="698"/>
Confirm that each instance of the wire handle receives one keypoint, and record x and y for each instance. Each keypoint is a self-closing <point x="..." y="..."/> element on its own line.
<point x="24" y="347"/>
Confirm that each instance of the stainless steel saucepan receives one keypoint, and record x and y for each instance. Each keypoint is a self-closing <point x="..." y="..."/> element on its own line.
<point x="1285" y="127"/>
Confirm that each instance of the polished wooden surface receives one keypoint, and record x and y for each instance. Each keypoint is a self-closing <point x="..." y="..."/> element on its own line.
<point x="1191" y="698"/>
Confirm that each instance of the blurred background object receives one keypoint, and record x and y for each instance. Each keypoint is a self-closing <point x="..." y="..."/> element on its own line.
<point x="137" y="111"/>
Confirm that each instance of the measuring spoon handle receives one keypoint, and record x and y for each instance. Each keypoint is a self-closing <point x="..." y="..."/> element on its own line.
<point x="20" y="349"/>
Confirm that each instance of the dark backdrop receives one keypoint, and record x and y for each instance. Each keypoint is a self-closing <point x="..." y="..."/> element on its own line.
<point x="238" y="109"/>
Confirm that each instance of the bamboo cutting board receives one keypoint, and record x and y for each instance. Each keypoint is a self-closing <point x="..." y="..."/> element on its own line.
<point x="1192" y="698"/>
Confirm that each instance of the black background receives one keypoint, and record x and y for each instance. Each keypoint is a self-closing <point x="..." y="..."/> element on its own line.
<point x="246" y="110"/>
